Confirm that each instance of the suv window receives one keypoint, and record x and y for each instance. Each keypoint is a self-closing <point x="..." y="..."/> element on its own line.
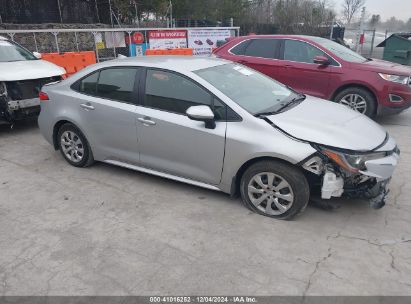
<point x="265" y="48"/>
<point x="111" y="83"/>
<point x="240" y="48"/>
<point x="300" y="51"/>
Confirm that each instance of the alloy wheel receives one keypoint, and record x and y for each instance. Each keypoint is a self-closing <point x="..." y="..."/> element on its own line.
<point x="270" y="193"/>
<point x="355" y="102"/>
<point x="72" y="146"/>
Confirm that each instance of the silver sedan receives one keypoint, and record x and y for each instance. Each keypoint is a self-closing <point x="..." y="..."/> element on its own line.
<point x="219" y="125"/>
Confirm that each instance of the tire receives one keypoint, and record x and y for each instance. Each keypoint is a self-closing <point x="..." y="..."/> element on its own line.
<point x="294" y="193"/>
<point x="353" y="97"/>
<point x="76" y="151"/>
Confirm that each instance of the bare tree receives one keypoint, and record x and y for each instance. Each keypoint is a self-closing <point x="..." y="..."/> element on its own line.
<point x="351" y="8"/>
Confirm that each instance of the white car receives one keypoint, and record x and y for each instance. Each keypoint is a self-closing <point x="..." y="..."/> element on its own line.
<point x="22" y="74"/>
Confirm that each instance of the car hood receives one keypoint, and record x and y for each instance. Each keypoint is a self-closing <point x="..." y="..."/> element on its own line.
<point x="29" y="69"/>
<point x="324" y="122"/>
<point x="382" y="66"/>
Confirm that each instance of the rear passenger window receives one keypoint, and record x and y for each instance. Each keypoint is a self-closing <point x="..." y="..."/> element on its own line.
<point x="112" y="83"/>
<point x="239" y="49"/>
<point x="264" y="48"/>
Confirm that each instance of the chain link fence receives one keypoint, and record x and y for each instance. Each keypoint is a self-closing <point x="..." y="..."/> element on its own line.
<point x="106" y="43"/>
<point x="372" y="38"/>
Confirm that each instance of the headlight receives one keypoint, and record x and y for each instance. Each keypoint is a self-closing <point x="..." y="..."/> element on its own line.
<point x="395" y="78"/>
<point x="3" y="89"/>
<point x="352" y="162"/>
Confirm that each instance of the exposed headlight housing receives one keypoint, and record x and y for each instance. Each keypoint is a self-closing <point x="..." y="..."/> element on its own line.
<point x="352" y="163"/>
<point x="395" y="78"/>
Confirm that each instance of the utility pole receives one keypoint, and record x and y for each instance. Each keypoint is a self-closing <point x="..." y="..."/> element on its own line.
<point x="171" y="13"/>
<point x="136" y="11"/>
<point x="58" y="4"/>
<point x="98" y="16"/>
<point x="111" y="13"/>
<point x="360" y="30"/>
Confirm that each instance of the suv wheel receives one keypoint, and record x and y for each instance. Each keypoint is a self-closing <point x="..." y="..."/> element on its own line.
<point x="274" y="189"/>
<point x="358" y="99"/>
<point x="74" y="146"/>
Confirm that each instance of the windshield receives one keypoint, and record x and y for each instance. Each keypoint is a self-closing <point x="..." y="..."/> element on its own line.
<point x="252" y="90"/>
<point x="10" y="51"/>
<point x="339" y="50"/>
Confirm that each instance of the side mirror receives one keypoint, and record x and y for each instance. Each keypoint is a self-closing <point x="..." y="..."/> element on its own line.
<point x="321" y="60"/>
<point x="202" y="113"/>
<point x="37" y="55"/>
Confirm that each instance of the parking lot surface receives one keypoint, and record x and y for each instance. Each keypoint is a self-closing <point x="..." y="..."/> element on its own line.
<point x="106" y="230"/>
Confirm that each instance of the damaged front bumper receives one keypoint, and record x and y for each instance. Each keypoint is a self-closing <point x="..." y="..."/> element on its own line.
<point x="370" y="181"/>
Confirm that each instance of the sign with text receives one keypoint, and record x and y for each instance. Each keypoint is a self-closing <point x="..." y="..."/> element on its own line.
<point x="167" y="39"/>
<point x="204" y="41"/>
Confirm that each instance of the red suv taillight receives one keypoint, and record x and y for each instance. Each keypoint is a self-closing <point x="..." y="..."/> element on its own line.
<point x="43" y="96"/>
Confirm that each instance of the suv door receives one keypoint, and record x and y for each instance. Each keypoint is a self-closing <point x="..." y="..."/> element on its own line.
<point x="302" y="73"/>
<point x="261" y="54"/>
<point x="106" y="103"/>
<point x="171" y="142"/>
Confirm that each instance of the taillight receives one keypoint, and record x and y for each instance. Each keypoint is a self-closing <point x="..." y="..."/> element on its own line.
<point x="43" y="96"/>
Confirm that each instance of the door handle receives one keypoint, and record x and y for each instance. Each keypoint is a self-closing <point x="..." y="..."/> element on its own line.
<point x="87" y="106"/>
<point x="146" y="121"/>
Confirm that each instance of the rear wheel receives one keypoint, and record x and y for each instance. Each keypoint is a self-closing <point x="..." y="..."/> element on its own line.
<point x="358" y="99"/>
<point x="274" y="189"/>
<point x="74" y="146"/>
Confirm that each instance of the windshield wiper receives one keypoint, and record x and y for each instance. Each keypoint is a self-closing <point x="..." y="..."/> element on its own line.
<point x="298" y="99"/>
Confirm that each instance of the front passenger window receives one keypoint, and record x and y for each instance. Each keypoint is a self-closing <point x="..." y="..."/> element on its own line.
<point x="171" y="92"/>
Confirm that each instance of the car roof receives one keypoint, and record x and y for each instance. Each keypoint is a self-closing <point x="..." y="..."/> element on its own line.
<point x="172" y="62"/>
<point x="302" y="37"/>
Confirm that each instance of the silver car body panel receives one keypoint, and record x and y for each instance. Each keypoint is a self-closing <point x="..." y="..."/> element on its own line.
<point x="161" y="174"/>
<point x="326" y="123"/>
<point x="173" y="146"/>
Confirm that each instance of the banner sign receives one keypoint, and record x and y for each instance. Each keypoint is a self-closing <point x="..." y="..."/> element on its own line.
<point x="114" y="39"/>
<point x="167" y="39"/>
<point x="204" y="41"/>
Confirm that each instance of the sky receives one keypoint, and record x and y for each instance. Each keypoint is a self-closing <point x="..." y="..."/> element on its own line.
<point x="401" y="9"/>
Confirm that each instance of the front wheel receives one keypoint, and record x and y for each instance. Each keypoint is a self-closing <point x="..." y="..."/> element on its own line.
<point x="275" y="189"/>
<point x="358" y="99"/>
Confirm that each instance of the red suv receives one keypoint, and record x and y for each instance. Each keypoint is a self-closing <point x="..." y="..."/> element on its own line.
<point x="323" y="68"/>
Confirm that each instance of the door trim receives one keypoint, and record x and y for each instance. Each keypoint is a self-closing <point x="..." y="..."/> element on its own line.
<point x="162" y="174"/>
